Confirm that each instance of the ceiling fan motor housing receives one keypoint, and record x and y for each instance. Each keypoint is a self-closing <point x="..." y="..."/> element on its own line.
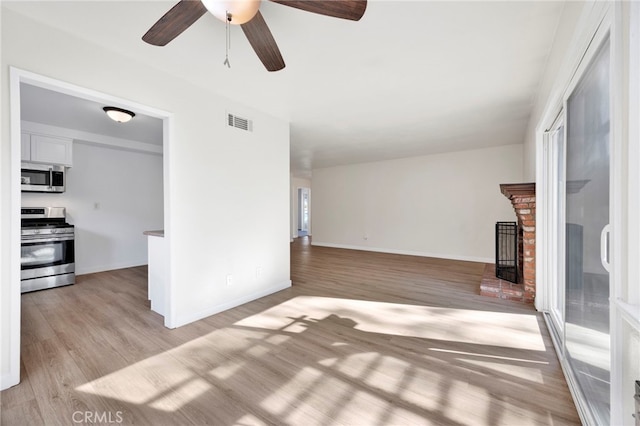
<point x="241" y="11"/>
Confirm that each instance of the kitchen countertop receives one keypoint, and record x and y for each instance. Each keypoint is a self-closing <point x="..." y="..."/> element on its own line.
<point x="159" y="233"/>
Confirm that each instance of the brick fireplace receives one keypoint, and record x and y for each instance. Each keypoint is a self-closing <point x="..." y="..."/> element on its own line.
<point x="523" y="200"/>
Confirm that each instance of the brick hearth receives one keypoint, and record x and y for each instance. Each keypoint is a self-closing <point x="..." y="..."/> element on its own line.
<point x="493" y="286"/>
<point x="523" y="199"/>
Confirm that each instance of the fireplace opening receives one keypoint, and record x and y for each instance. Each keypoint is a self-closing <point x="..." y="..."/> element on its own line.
<point x="507" y="253"/>
<point x="513" y="276"/>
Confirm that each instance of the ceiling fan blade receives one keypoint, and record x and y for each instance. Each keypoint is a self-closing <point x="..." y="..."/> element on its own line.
<point x="263" y="43"/>
<point x="345" y="9"/>
<point x="174" y="22"/>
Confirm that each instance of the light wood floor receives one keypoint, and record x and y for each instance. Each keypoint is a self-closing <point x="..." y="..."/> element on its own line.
<point x="360" y="339"/>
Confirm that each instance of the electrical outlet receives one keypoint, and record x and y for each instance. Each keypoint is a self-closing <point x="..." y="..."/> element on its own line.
<point x="258" y="272"/>
<point x="229" y="279"/>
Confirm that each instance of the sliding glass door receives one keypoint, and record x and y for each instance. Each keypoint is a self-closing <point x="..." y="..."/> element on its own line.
<point x="586" y="248"/>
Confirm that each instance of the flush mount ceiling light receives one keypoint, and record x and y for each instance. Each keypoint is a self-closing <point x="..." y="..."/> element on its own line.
<point x="118" y="114"/>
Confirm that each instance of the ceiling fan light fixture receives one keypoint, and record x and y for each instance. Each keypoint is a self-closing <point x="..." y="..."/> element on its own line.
<point x="241" y="11"/>
<point x="118" y="114"/>
<point x="246" y="13"/>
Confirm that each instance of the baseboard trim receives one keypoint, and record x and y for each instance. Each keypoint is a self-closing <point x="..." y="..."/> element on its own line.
<point x="180" y="321"/>
<point x="406" y="252"/>
<point x="103" y="268"/>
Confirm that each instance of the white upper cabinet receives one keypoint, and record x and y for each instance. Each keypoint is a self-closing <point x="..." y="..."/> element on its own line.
<point x="46" y="149"/>
<point x="25" y="146"/>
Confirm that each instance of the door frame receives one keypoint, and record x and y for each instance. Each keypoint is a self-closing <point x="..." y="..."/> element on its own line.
<point x="16" y="77"/>
<point x="553" y="269"/>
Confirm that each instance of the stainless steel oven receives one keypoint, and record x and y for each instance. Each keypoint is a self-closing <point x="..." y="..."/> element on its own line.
<point x="47" y="249"/>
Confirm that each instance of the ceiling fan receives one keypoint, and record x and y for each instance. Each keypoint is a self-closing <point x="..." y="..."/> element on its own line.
<point x="246" y="14"/>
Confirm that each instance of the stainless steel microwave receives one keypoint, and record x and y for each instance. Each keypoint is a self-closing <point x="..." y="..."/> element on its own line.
<point x="42" y="178"/>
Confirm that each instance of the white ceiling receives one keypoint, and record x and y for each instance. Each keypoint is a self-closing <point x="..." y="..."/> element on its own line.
<point x="57" y="109"/>
<point x="410" y="78"/>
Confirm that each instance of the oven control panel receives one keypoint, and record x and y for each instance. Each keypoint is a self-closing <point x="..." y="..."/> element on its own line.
<point x="42" y="212"/>
<point x="30" y="211"/>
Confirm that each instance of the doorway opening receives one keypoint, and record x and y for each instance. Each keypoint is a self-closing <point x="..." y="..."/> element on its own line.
<point x="18" y="80"/>
<point x="304" y="212"/>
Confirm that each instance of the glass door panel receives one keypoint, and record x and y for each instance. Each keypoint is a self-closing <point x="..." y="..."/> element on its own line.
<point x="587" y="213"/>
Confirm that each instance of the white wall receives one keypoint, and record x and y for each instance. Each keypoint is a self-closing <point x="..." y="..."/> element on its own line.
<point x="556" y="65"/>
<point x="127" y="186"/>
<point x="231" y="224"/>
<point x="297" y="182"/>
<point x="443" y="205"/>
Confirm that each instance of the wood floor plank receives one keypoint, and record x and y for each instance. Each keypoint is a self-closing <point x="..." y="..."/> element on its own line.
<point x="360" y="338"/>
<point x="52" y="374"/>
<point x="27" y="413"/>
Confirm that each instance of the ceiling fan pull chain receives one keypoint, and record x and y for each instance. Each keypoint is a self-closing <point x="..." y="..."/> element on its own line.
<point x="228" y="44"/>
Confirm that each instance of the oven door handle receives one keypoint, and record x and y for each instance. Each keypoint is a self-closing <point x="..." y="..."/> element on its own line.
<point x="50" y="177"/>
<point x="48" y="239"/>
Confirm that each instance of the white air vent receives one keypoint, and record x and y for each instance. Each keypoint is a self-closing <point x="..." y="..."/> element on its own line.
<point x="239" y="122"/>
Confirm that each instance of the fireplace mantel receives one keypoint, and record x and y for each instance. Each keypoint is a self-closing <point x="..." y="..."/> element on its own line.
<point x="511" y="190"/>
